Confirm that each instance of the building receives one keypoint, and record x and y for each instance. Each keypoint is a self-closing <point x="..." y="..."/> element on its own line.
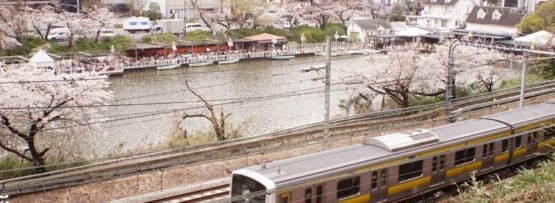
<point x="494" y="20"/>
<point x="443" y="14"/>
<point x="364" y="29"/>
<point x="29" y="2"/>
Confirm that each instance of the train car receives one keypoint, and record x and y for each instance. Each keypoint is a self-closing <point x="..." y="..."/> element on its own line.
<point x="400" y="165"/>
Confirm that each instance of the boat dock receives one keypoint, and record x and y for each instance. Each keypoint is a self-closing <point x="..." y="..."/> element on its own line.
<point x="207" y="59"/>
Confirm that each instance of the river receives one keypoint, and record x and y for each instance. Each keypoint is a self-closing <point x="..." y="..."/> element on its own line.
<point x="262" y="95"/>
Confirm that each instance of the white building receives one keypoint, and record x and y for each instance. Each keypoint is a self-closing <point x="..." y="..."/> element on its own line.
<point x="363" y="29"/>
<point x="443" y="14"/>
<point x="494" y="20"/>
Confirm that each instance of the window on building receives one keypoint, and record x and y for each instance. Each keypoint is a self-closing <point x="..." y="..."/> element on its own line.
<point x="348" y="187"/>
<point x="480" y="14"/>
<point x="505" y="145"/>
<point x="496" y="15"/>
<point x="410" y="170"/>
<point x="464" y="156"/>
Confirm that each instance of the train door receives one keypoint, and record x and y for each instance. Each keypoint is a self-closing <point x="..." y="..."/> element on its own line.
<point x="374" y="186"/>
<point x="533" y="142"/>
<point x="438" y="169"/>
<point x="487" y="155"/>
<point x="383" y="180"/>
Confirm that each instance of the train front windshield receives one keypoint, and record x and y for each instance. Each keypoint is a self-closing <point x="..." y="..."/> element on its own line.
<point x="245" y="189"/>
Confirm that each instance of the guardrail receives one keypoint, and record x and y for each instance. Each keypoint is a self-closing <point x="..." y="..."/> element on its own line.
<point x="213" y="150"/>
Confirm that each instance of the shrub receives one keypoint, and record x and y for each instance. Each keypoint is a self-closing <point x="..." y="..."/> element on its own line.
<point x="331" y="28"/>
<point x="198" y="35"/>
<point x="312" y="34"/>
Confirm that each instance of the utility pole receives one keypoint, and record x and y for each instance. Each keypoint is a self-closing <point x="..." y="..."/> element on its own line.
<point x="327" y="94"/>
<point x="523" y="78"/>
<point x="78" y="7"/>
<point x="450" y="83"/>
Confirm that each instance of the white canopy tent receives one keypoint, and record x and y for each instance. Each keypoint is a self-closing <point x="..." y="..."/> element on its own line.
<point x="540" y="38"/>
<point x="412" y="32"/>
<point x="42" y="59"/>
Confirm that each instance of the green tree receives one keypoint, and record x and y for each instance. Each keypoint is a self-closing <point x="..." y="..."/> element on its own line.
<point x="312" y="34"/>
<point x="542" y="19"/>
<point x="154" y="11"/>
<point x="531" y="23"/>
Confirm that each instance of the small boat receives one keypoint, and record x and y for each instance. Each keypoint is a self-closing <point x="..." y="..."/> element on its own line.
<point x="323" y="53"/>
<point x="201" y="64"/>
<point x="356" y="52"/>
<point x="285" y="57"/>
<point x="229" y="61"/>
<point x="173" y="66"/>
<point x="344" y="53"/>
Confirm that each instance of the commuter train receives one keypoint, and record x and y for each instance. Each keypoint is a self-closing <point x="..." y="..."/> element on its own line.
<point x="397" y="166"/>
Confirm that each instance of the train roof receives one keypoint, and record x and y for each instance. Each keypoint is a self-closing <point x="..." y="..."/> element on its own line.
<point x="303" y="168"/>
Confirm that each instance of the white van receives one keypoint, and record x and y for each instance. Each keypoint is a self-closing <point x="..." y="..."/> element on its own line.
<point x="59" y="34"/>
<point x="189" y="27"/>
<point x="104" y="33"/>
<point x="134" y="24"/>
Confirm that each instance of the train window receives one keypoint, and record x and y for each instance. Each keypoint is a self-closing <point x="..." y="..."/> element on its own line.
<point x="319" y="193"/>
<point x="549" y="133"/>
<point x="491" y="148"/>
<point x="441" y="162"/>
<point x="348" y="187"/>
<point x="464" y="156"/>
<point x="410" y="170"/>
<point x="308" y="195"/>
<point x="505" y="145"/>
<point x="518" y="141"/>
<point x="485" y="150"/>
<point x="374" y="183"/>
<point x="533" y="138"/>
<point x="434" y="164"/>
<point x="383" y="177"/>
<point x="247" y="189"/>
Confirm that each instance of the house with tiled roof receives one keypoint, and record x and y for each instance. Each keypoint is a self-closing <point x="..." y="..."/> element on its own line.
<point x="494" y="20"/>
<point x="363" y="29"/>
<point x="443" y="14"/>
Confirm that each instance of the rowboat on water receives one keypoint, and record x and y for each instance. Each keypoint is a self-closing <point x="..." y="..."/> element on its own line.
<point x="169" y="66"/>
<point x="356" y="52"/>
<point x="201" y="64"/>
<point x="323" y="53"/>
<point x="229" y="61"/>
<point x="286" y="57"/>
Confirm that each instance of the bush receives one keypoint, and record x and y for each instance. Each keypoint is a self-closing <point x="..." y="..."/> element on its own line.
<point x="545" y="68"/>
<point x="29" y="43"/>
<point x="165" y="38"/>
<point x="530" y="78"/>
<point x="148" y="39"/>
<point x="198" y="35"/>
<point x="332" y="28"/>
<point x="312" y="34"/>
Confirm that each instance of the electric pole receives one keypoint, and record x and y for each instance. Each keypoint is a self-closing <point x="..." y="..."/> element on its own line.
<point x="523" y="78"/>
<point x="327" y="93"/>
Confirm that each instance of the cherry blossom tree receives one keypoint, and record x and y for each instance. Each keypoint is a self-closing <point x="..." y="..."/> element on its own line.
<point x="406" y="72"/>
<point x="102" y="18"/>
<point x="36" y="101"/>
<point x="321" y="13"/>
<point x="80" y="26"/>
<point x="43" y="20"/>
<point x="292" y="12"/>
<point x="13" y="21"/>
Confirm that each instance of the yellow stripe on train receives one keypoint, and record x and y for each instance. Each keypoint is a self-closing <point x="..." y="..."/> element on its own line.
<point x="356" y="199"/>
<point x="519" y="152"/>
<point x="463" y="169"/>
<point x="409" y="185"/>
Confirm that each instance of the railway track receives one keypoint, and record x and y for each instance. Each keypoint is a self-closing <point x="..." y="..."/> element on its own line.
<point x="148" y="162"/>
<point x="206" y="194"/>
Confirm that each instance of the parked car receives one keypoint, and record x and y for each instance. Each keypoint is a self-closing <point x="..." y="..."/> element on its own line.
<point x="104" y="33"/>
<point x="59" y="34"/>
<point x="189" y="27"/>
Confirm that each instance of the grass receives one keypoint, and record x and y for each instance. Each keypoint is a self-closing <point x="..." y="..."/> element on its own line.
<point x="530" y="185"/>
<point x="15" y="167"/>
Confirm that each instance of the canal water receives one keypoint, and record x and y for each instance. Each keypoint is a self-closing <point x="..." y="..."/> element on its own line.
<point x="262" y="95"/>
